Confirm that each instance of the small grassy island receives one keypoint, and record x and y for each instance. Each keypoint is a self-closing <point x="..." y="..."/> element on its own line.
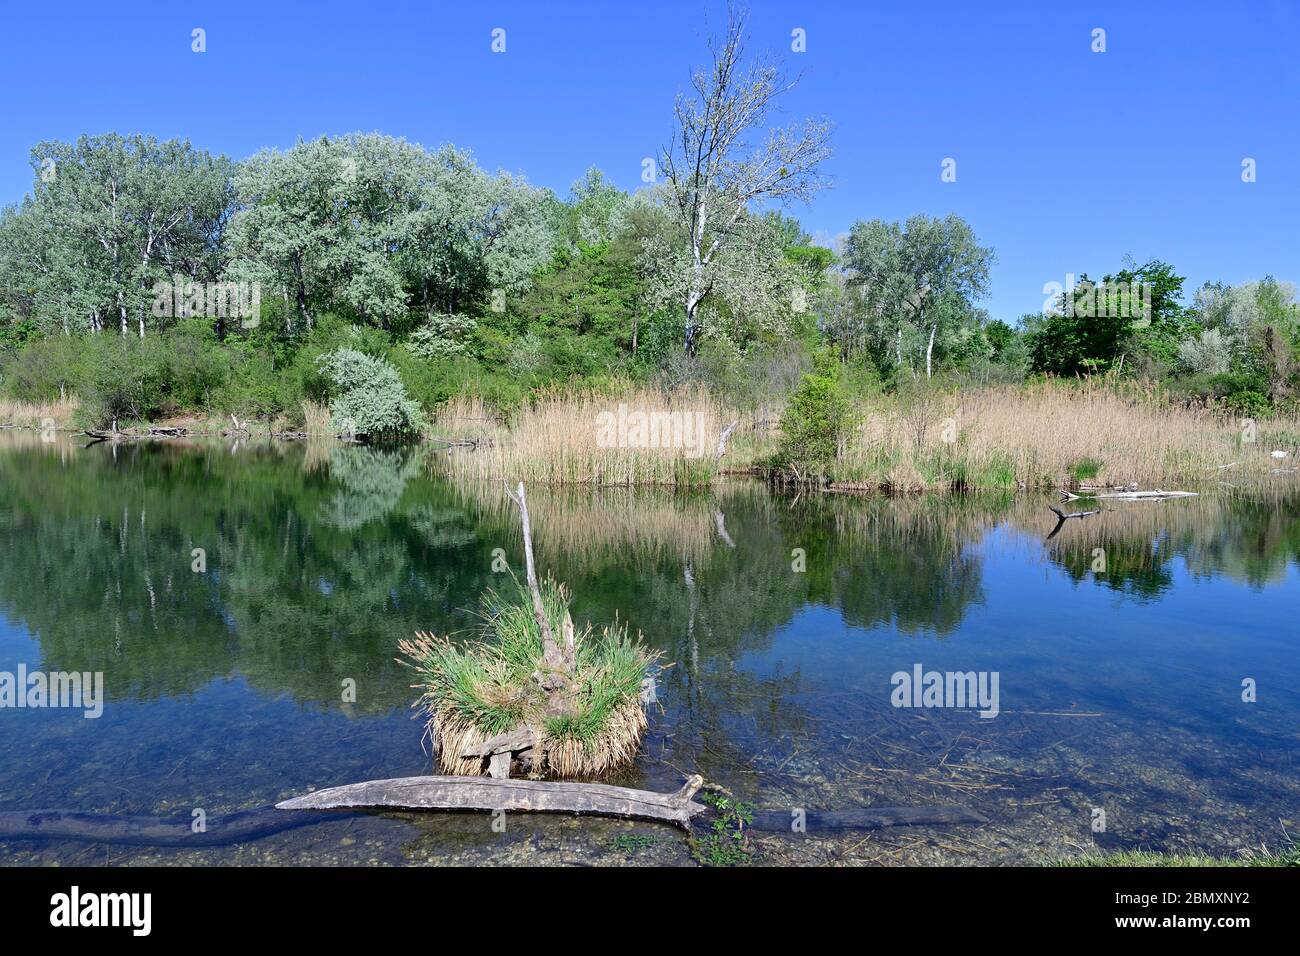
<point x="521" y="699"/>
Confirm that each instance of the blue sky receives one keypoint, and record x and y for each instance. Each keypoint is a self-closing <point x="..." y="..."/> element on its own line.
<point x="1067" y="160"/>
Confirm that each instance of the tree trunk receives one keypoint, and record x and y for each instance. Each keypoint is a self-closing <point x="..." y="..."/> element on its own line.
<point x="692" y="328"/>
<point x="929" y="350"/>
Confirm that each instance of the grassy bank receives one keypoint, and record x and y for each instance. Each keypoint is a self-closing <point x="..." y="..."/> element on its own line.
<point x="1262" y="857"/>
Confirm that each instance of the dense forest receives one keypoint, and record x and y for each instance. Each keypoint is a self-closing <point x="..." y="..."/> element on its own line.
<point x="378" y="278"/>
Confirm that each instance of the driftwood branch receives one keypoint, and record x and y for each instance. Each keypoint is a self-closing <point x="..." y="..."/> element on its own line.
<point x="1129" y="495"/>
<point x="486" y="793"/>
<point x="1061" y="515"/>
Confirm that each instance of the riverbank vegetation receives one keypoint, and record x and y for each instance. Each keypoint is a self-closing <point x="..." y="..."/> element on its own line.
<point x="367" y="286"/>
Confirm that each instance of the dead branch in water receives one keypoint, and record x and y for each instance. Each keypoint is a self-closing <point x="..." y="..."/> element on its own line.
<point x="1061" y="518"/>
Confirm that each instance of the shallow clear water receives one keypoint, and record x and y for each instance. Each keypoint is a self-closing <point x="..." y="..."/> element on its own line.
<point x="1119" y="690"/>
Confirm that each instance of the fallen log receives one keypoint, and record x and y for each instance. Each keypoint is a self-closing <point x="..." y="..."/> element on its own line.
<point x="1130" y="495"/>
<point x="116" y="436"/>
<point x="511" y="795"/>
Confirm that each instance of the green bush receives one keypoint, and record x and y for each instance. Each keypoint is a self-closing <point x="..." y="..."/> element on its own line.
<point x="47" y="369"/>
<point x="818" y="417"/>
<point x="368" y="398"/>
<point x="126" y="379"/>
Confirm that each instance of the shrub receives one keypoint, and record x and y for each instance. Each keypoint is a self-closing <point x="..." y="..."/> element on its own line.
<point x="815" y="422"/>
<point x="126" y="378"/>
<point x="1250" y="403"/>
<point x="368" y="398"/>
<point x="47" y="369"/>
<point x="1210" y="354"/>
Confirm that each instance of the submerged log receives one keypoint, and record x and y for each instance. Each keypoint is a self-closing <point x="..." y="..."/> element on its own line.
<point x="154" y="831"/>
<point x="485" y="793"/>
<point x="862" y="818"/>
<point x="452" y="793"/>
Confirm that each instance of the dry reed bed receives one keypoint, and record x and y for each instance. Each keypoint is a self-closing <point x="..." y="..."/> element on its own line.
<point x="1042" y="435"/>
<point x="38" y="415"/>
<point x="643" y="437"/>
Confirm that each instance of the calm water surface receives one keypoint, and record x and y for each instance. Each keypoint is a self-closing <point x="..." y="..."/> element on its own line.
<point x="1119" y="689"/>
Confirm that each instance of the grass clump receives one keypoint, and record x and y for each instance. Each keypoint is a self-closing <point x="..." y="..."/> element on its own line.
<point x="1085" y="469"/>
<point x="474" y="691"/>
<point x="630" y="844"/>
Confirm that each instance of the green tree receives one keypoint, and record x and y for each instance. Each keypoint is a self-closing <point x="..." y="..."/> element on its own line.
<point x="915" y="283"/>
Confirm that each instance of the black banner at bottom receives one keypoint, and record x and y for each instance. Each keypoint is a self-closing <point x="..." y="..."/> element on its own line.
<point x="338" y="905"/>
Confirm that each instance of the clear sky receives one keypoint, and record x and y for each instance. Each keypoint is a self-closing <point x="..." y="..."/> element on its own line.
<point x="1067" y="160"/>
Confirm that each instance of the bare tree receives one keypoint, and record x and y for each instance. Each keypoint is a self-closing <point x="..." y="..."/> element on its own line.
<point x="714" y="172"/>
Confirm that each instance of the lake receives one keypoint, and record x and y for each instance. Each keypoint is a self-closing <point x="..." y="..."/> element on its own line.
<point x="1146" y="660"/>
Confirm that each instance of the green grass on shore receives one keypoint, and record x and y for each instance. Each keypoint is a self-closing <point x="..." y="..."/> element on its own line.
<point x="1288" y="857"/>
